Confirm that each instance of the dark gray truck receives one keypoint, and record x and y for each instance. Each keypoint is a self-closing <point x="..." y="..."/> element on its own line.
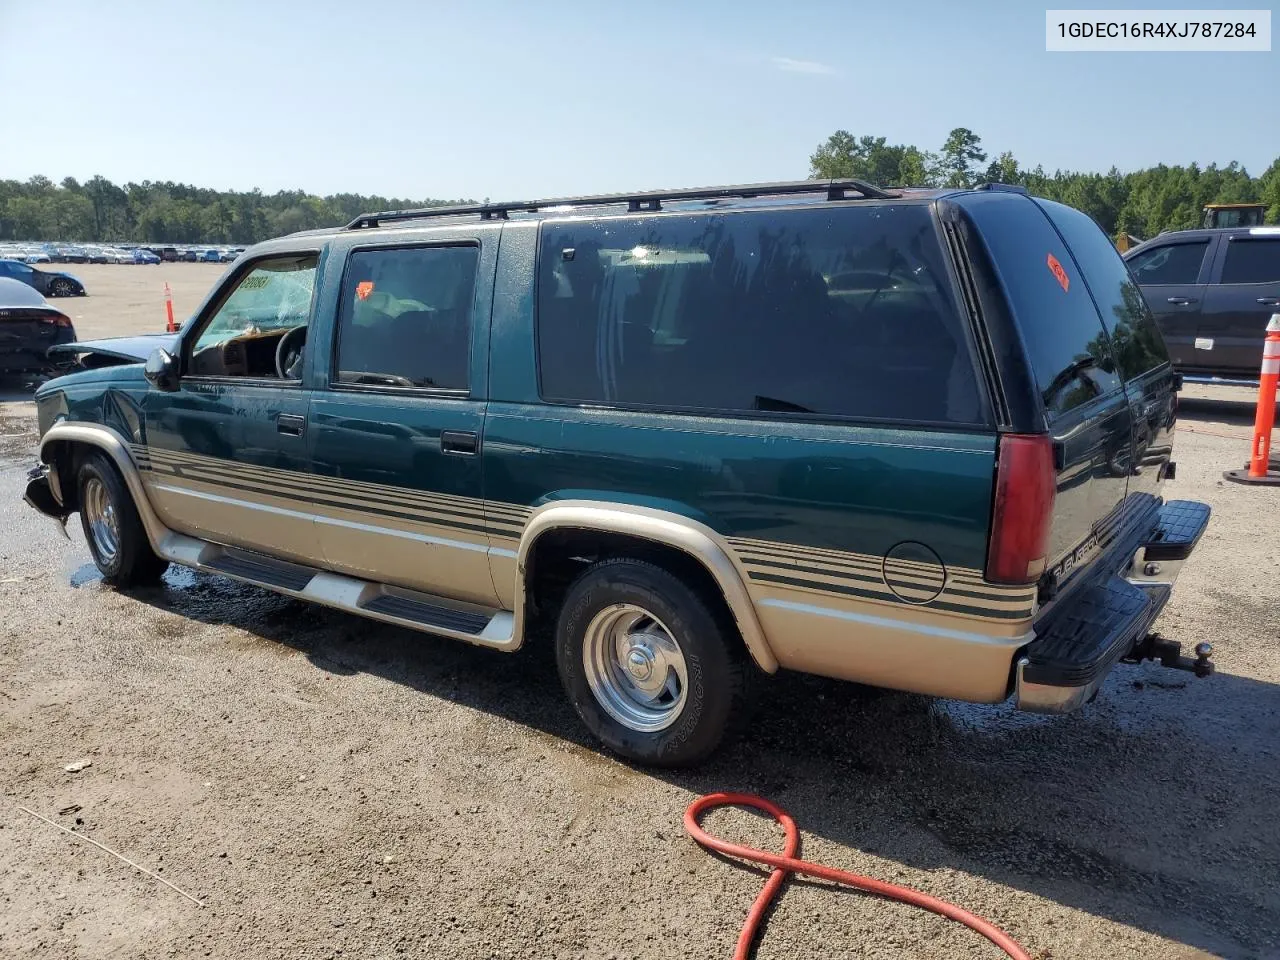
<point x="1212" y="293"/>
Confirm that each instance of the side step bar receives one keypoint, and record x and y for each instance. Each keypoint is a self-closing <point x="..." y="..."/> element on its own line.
<point x="378" y="601"/>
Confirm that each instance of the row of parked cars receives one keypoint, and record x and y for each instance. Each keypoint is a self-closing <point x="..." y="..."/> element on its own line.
<point x="117" y="253"/>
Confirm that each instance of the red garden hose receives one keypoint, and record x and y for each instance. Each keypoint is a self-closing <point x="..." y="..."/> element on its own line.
<point x="787" y="863"/>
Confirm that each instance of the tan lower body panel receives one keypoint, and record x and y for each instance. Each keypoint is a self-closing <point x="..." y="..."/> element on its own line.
<point x="272" y="525"/>
<point x="416" y="555"/>
<point x="896" y="648"/>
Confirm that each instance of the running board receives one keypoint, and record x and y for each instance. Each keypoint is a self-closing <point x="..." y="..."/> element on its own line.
<point x="377" y="601"/>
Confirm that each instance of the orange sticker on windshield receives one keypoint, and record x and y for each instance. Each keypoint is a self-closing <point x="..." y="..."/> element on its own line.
<point x="1058" y="272"/>
<point x="365" y="287"/>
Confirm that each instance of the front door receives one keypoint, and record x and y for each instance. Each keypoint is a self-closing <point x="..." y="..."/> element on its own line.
<point x="1238" y="306"/>
<point x="1172" y="278"/>
<point x="397" y="430"/>
<point x="226" y="455"/>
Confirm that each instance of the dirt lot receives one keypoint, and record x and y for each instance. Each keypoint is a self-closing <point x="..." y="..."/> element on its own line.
<point x="329" y="787"/>
<point x="128" y="299"/>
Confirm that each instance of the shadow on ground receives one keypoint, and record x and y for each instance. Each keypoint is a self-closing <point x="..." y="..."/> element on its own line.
<point x="1033" y="803"/>
<point x="1201" y="410"/>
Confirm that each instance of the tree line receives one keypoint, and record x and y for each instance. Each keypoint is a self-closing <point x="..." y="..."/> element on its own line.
<point x="148" y="212"/>
<point x="1142" y="203"/>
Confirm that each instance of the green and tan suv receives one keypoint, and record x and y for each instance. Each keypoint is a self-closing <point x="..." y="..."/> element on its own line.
<point x="916" y="439"/>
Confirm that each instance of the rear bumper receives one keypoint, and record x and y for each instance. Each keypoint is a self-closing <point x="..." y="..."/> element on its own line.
<point x="1105" y="619"/>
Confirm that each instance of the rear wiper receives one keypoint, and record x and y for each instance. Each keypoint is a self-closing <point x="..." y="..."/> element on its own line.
<point x="780" y="406"/>
<point x="1071" y="372"/>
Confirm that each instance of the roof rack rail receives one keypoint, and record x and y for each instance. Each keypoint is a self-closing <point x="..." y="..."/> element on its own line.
<point x="647" y="201"/>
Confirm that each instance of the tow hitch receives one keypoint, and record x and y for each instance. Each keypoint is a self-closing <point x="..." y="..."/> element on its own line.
<point x="1169" y="653"/>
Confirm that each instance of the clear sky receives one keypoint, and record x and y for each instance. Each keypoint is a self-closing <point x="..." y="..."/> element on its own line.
<point x="513" y="99"/>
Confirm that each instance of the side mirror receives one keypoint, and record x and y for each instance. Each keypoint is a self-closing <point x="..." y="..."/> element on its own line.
<point x="162" y="370"/>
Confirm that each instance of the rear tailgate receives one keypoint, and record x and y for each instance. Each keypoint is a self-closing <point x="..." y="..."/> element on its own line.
<point x="1106" y="400"/>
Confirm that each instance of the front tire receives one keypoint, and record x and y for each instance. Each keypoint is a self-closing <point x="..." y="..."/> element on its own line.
<point x="112" y="527"/>
<point x="62" y="288"/>
<point x="648" y="666"/>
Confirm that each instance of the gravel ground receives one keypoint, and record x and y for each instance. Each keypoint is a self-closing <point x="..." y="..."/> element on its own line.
<point x="332" y="787"/>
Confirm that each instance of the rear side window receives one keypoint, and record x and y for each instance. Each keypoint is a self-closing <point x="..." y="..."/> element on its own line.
<point x="1172" y="263"/>
<point x="1065" y="342"/>
<point x="405" y="317"/>
<point x="1136" y="343"/>
<point x="1252" y="261"/>
<point x="845" y="312"/>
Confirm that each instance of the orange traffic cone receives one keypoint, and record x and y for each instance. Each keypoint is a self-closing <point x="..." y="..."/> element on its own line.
<point x="170" y="326"/>
<point x="1260" y="469"/>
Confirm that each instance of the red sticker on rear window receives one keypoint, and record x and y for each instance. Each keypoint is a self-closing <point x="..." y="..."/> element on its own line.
<point x="365" y="287"/>
<point x="1058" y="272"/>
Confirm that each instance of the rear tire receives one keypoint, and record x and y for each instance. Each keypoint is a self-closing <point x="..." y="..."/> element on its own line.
<point x="112" y="527"/>
<point x="649" y="667"/>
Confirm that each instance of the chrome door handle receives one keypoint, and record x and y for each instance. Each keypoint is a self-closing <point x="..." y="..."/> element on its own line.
<point x="1269" y="301"/>
<point x="464" y="442"/>
<point x="291" y="425"/>
<point x="1181" y="301"/>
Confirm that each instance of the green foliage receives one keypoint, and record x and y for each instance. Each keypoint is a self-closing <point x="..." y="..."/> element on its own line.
<point x="148" y="212"/>
<point x="1142" y="203"/>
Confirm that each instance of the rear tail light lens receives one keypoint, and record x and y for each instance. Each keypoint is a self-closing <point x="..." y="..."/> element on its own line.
<point x="1023" y="512"/>
<point x="56" y="320"/>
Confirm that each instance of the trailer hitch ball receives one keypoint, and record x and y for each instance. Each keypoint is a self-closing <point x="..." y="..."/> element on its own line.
<point x="1203" y="667"/>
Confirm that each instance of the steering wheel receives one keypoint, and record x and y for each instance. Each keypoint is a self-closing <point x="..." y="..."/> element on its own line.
<point x="289" y="350"/>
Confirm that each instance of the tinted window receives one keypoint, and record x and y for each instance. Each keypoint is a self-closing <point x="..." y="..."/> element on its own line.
<point x="844" y="312"/>
<point x="1065" y="341"/>
<point x="1252" y="261"/>
<point x="1136" y="343"/>
<point x="243" y="336"/>
<point x="1172" y="263"/>
<point x="405" y="319"/>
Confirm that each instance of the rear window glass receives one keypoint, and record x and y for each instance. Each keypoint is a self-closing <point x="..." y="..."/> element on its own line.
<point x="844" y="311"/>
<point x="1172" y="263"/>
<point x="1135" y="340"/>
<point x="1252" y="261"/>
<point x="1066" y="344"/>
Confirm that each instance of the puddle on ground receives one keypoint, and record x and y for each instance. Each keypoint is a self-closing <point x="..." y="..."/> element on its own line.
<point x="85" y="573"/>
<point x="179" y="578"/>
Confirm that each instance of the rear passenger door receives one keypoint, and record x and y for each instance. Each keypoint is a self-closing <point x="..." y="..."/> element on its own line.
<point x="397" y="425"/>
<point x="1240" y="301"/>
<point x="1173" y="277"/>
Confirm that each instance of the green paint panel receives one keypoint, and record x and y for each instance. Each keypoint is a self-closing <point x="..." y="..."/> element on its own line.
<point x="838" y="487"/>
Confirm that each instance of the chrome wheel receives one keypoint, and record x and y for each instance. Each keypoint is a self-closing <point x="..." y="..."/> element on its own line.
<point x="635" y="668"/>
<point x="101" y="514"/>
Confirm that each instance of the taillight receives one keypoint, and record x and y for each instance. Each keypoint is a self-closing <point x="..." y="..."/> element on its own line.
<point x="1023" y="511"/>
<point x="55" y="319"/>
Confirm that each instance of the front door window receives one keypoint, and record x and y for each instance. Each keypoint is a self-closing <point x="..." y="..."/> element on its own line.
<point x="260" y="327"/>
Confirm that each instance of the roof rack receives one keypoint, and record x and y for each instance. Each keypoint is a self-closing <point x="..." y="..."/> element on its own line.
<point x="1002" y="187"/>
<point x="648" y="201"/>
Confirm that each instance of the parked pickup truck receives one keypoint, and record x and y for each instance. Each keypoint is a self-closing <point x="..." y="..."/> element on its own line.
<point x="911" y="438"/>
